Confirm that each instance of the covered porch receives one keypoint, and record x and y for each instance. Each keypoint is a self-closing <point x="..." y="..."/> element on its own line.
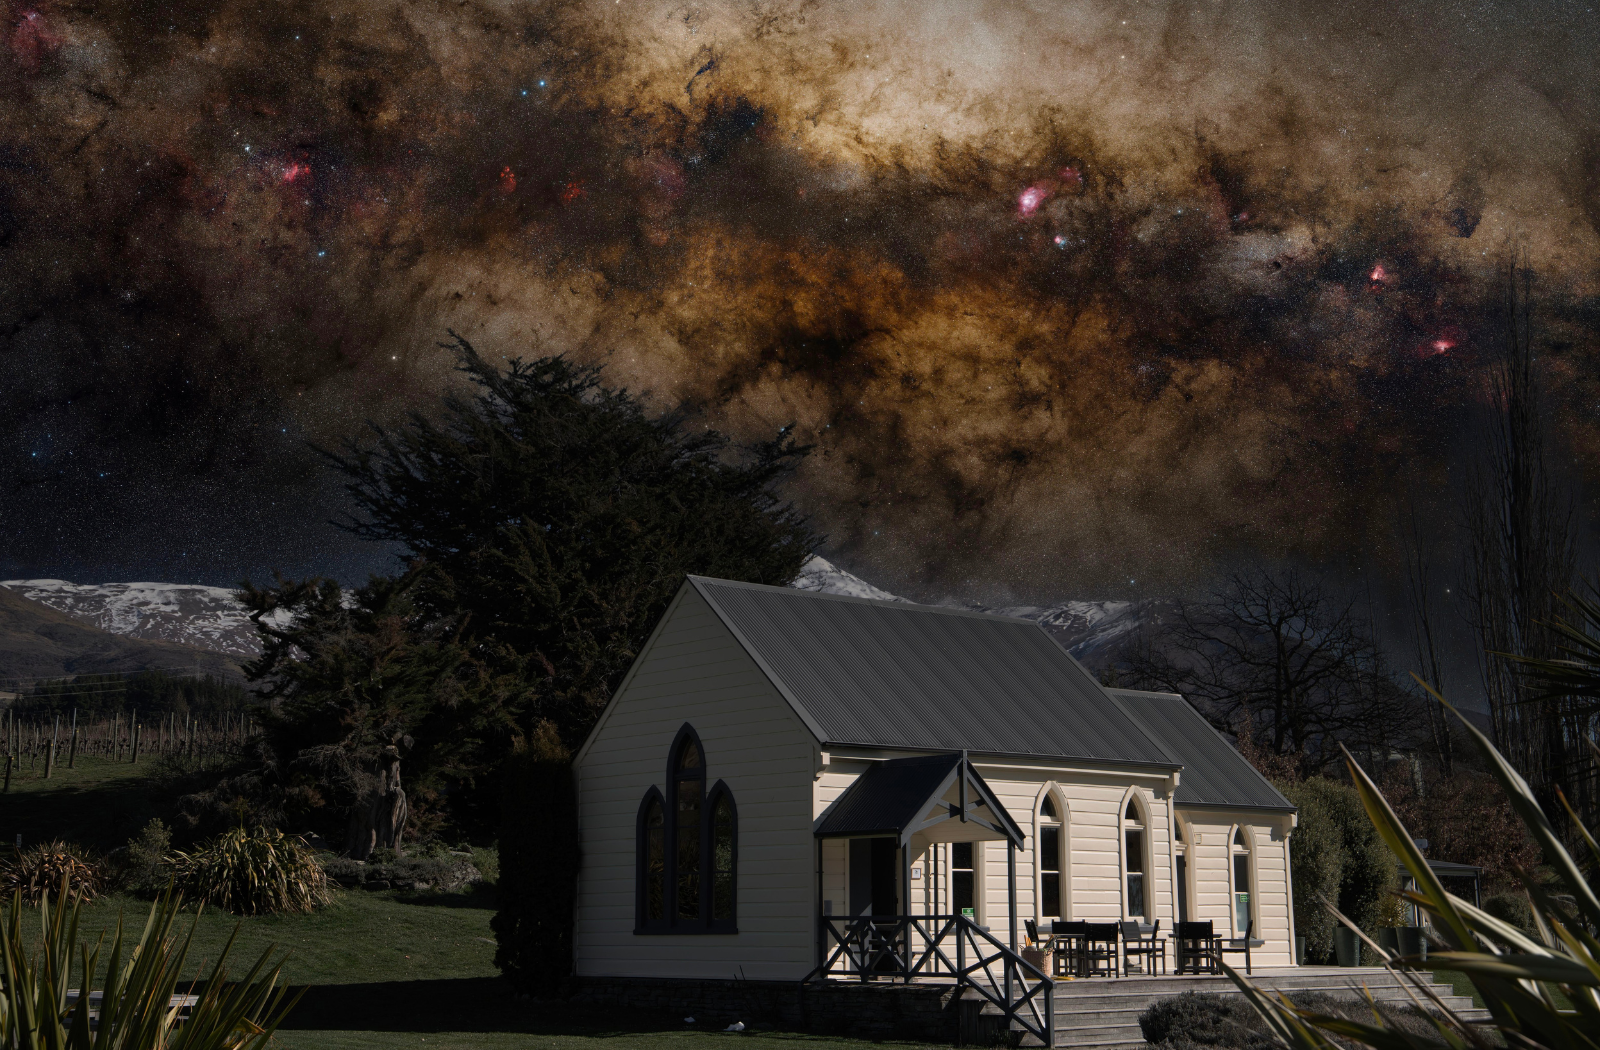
<point x="888" y="821"/>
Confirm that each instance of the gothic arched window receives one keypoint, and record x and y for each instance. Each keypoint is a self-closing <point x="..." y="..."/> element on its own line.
<point x="1050" y="850"/>
<point x="724" y="856"/>
<point x="651" y="905"/>
<point x="688" y="805"/>
<point x="1243" y="913"/>
<point x="687" y="853"/>
<point x="1134" y="860"/>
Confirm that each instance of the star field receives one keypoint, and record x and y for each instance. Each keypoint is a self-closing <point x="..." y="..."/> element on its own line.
<point x="1067" y="295"/>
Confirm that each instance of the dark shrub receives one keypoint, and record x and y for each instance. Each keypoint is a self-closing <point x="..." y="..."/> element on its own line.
<point x="1337" y="853"/>
<point x="1512" y="908"/>
<point x="1196" y="1019"/>
<point x="145" y="862"/>
<point x="447" y="872"/>
<point x="538" y="884"/>
<point x="1205" y="1019"/>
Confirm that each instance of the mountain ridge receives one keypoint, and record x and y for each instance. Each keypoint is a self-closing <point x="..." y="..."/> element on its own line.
<point x="212" y="619"/>
<point x="38" y="642"/>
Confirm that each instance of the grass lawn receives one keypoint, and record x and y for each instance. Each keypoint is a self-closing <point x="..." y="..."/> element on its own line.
<point x="100" y="803"/>
<point x="393" y="969"/>
<point x="385" y="969"/>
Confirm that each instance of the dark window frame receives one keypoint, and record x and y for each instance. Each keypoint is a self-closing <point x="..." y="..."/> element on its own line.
<point x="671" y="921"/>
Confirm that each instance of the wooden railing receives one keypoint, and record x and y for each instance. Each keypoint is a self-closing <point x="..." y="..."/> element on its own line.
<point x="903" y="947"/>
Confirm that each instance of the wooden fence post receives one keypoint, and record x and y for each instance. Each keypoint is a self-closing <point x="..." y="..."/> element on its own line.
<point x="72" y="755"/>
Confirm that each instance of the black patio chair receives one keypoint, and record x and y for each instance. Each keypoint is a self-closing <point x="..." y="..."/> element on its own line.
<point x="1100" y="949"/>
<point x="1196" y="947"/>
<point x="1234" y="945"/>
<point x="1066" y="944"/>
<point x="1148" y="947"/>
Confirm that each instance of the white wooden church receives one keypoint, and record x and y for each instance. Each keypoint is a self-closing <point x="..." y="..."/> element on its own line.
<point x="775" y="757"/>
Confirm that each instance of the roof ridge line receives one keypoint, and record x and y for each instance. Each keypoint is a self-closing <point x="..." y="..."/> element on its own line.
<point x="901" y="604"/>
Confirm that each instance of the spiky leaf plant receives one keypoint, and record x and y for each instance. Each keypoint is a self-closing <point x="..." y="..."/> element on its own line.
<point x="37" y="871"/>
<point x="126" y="1000"/>
<point x="257" y="871"/>
<point x="1541" y="991"/>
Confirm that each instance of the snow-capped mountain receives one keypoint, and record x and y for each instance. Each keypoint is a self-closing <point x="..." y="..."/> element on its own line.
<point x="202" y="617"/>
<point x="1089" y="630"/>
<point x="210" y="617"/>
<point x="820" y="574"/>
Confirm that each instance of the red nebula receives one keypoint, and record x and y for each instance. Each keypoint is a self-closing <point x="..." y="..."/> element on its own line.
<point x="1029" y="200"/>
<point x="1378" y="275"/>
<point x="31" y="40"/>
<point x="571" y="192"/>
<point x="1444" y="340"/>
<point x="295" y="171"/>
<point x="1071" y="176"/>
<point x="508" y="180"/>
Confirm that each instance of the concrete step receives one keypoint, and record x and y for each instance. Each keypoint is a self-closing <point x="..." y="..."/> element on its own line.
<point x="1110" y="1000"/>
<point x="1103" y="1013"/>
<point x="1129" y="1013"/>
<point x="1099" y="1036"/>
<point x="1173" y="985"/>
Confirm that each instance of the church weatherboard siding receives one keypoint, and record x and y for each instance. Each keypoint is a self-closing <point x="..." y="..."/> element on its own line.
<point x="694" y="671"/>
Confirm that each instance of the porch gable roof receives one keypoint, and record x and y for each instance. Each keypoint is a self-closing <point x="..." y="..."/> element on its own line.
<point x="896" y="675"/>
<point x="895" y="796"/>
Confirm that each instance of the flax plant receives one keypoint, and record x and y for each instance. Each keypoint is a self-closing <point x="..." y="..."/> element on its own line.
<point x="259" y="872"/>
<point x="1541" y="991"/>
<point x="56" y="998"/>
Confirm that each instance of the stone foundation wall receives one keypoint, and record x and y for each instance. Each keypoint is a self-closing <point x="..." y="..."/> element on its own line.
<point x="876" y="1010"/>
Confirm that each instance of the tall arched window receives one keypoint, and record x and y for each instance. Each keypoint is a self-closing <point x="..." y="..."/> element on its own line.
<point x="688" y="848"/>
<point x="651" y="906"/>
<point x="1133" y="859"/>
<point x="1242" y="912"/>
<point x="724" y="857"/>
<point x="688" y="798"/>
<point x="1049" y="851"/>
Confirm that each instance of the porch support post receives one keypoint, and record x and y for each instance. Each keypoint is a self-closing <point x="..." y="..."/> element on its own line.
<point x="1011" y="887"/>
<point x="816" y="923"/>
<point x="905" y="902"/>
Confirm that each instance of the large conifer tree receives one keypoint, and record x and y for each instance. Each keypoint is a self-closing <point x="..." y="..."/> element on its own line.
<point x="546" y="520"/>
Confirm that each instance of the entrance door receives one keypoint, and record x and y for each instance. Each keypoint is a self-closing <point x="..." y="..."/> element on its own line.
<point x="874" y="882"/>
<point x="874" y="877"/>
<point x="1183" y="888"/>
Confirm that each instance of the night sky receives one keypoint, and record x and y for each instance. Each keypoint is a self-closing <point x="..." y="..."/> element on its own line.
<point x="1075" y="299"/>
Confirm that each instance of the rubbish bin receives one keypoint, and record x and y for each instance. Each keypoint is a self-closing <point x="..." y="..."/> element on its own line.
<point x="1346" y="946"/>
<point x="1299" y="950"/>
<point x="1411" y="942"/>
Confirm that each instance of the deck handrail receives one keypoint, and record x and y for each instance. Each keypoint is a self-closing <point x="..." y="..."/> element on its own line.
<point x="905" y="947"/>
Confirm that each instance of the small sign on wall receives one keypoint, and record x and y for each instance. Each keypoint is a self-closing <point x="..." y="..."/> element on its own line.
<point x="916" y="873"/>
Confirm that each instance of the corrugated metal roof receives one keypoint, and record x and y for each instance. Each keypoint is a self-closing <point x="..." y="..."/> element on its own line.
<point x="892" y="674"/>
<point x="1214" y="774"/>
